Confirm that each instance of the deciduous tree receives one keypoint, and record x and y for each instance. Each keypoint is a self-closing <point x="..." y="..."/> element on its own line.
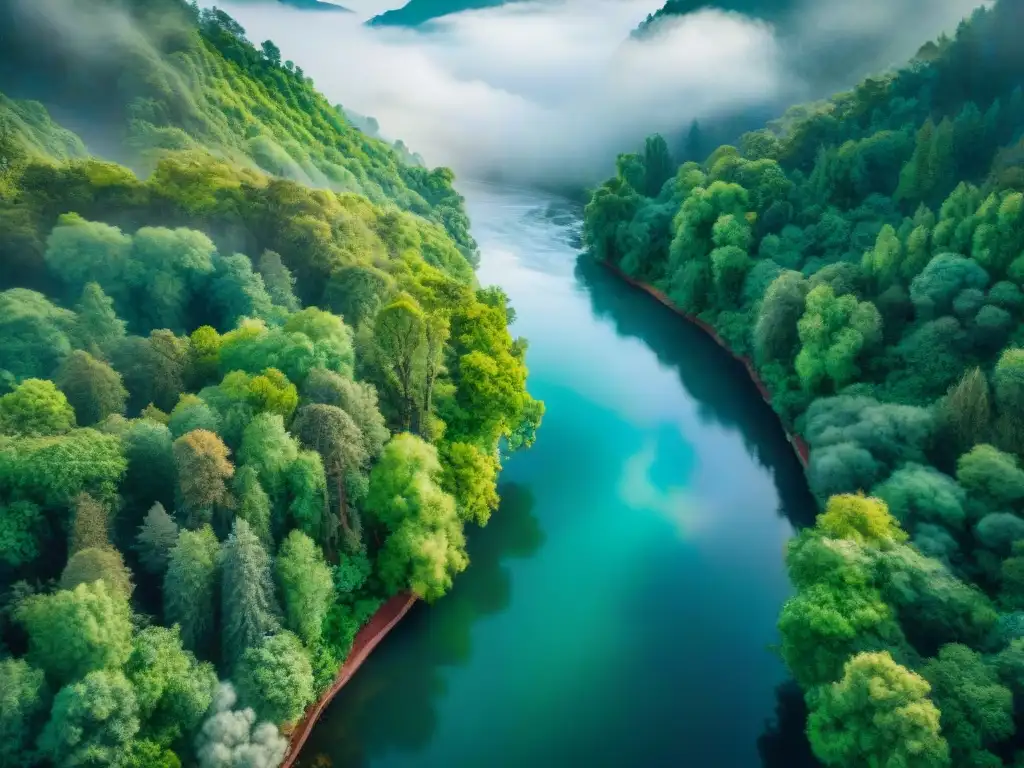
<point x="878" y="714"/>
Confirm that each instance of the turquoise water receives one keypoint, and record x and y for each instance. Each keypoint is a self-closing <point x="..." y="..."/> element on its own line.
<point x="620" y="606"/>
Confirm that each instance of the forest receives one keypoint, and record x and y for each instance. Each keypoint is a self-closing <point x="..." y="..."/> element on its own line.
<point x="867" y="254"/>
<point x="250" y="388"/>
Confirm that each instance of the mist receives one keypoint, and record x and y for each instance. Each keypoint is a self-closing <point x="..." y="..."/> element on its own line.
<point x="550" y="92"/>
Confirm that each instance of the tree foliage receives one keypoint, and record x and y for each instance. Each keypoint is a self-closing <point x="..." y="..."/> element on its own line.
<point x="72" y="633"/>
<point x="879" y="713"/>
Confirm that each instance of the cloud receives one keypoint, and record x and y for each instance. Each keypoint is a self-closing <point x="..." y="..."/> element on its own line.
<point x="533" y="91"/>
<point x="552" y="90"/>
<point x="638" y="491"/>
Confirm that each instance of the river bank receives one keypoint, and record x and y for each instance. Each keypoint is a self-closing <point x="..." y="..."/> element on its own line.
<point x="637" y="549"/>
<point x="376" y="629"/>
<point x="803" y="451"/>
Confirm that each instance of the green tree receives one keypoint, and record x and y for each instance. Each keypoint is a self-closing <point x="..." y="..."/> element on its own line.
<point x="878" y="714"/>
<point x="157" y="536"/>
<point x="918" y="494"/>
<point x="96" y="328"/>
<point x="80" y="252"/>
<point x="22" y="532"/>
<point x="881" y="263"/>
<point x="977" y="711"/>
<point x="470" y="475"/>
<point x="270" y="450"/>
<point x="190" y="586"/>
<point x="248" y="605"/>
<point x="93" y="721"/>
<point x="278" y="279"/>
<point x="436" y="334"/>
<point x="192" y="413"/>
<point x="1008" y="380"/>
<point x="425" y="547"/>
<point x="306" y="585"/>
<point x="399" y="334"/>
<point x="153" y="369"/>
<point x="358" y="399"/>
<point x="942" y="280"/>
<point x="861" y="519"/>
<point x="24" y="705"/>
<point x="275" y="678"/>
<point x="169" y="264"/>
<point x="992" y="478"/>
<point x="966" y="412"/>
<point x="835" y="332"/>
<point x="92" y="387"/>
<point x="173" y="690"/>
<point x="333" y="434"/>
<point x="72" y="633"/>
<point x="933" y="605"/>
<point x="204" y="356"/>
<point x="35" y="333"/>
<point x="236" y="291"/>
<point x="142" y="753"/>
<point x="658" y="165"/>
<point x="822" y="626"/>
<point x="152" y="475"/>
<point x="54" y="470"/>
<point x="309" y="506"/>
<point x="356" y="293"/>
<point x="253" y="504"/>
<point x="36" y="408"/>
<point x="775" y="333"/>
<point x="331" y="338"/>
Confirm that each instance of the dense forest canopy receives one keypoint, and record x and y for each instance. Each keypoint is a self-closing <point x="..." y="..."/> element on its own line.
<point x="867" y="253"/>
<point x="249" y="389"/>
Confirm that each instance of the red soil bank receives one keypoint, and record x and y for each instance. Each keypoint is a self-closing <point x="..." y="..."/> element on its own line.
<point x="803" y="451"/>
<point x="382" y="622"/>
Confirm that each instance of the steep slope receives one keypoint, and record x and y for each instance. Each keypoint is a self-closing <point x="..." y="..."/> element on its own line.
<point x="157" y="86"/>
<point x="238" y="413"/>
<point x="769" y="10"/>
<point x="867" y="253"/>
<point x="315" y="5"/>
<point x="418" y="12"/>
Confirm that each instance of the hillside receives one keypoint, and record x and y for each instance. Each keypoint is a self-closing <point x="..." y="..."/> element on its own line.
<point x="867" y="253"/>
<point x="177" y="91"/>
<point x="418" y="12"/>
<point x="315" y="5"/>
<point x="769" y="10"/>
<point x="249" y="389"/>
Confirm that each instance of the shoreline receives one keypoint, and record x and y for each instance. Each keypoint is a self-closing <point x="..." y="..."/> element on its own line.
<point x="800" y="447"/>
<point x="367" y="638"/>
<point x="392" y="612"/>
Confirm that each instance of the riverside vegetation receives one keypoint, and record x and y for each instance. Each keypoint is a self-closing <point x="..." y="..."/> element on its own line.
<point x="867" y="252"/>
<point x="250" y="389"/>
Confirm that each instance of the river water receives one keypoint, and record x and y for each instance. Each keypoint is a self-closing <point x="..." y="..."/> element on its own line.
<point x="620" y="607"/>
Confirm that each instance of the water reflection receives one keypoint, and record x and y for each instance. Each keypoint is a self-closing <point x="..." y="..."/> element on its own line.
<point x="784" y="742"/>
<point x="393" y="705"/>
<point x="719" y="384"/>
<point x="626" y="618"/>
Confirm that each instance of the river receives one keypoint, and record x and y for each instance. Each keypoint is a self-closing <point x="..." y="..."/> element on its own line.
<point x="620" y="607"/>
